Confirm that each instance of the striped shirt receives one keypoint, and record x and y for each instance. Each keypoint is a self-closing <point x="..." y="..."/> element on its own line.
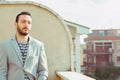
<point x="24" y="50"/>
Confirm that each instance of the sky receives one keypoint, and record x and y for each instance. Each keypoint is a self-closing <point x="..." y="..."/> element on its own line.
<point x="95" y="14"/>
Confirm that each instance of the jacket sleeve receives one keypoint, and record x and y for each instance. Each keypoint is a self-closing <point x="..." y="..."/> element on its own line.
<point x="42" y="65"/>
<point x="3" y="64"/>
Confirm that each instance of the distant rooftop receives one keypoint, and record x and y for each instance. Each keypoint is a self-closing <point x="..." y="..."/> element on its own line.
<point x="76" y="24"/>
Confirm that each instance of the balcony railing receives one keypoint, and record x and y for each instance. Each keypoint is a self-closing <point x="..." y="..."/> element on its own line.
<point x="99" y="52"/>
<point x="99" y="64"/>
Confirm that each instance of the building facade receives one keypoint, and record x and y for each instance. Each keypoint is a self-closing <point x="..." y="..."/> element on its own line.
<point x="102" y="48"/>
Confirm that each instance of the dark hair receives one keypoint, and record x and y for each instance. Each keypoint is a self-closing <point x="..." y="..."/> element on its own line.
<point x="22" y="13"/>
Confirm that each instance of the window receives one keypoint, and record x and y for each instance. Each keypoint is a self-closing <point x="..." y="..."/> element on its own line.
<point x="99" y="44"/>
<point x="118" y="33"/>
<point x="108" y="44"/>
<point x="101" y="33"/>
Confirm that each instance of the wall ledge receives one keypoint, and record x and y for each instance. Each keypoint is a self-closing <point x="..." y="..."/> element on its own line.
<point x="73" y="76"/>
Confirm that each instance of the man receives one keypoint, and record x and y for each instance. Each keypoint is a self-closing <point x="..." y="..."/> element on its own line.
<point x="23" y="57"/>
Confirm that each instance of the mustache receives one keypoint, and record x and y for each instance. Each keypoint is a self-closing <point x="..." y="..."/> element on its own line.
<point x="25" y="28"/>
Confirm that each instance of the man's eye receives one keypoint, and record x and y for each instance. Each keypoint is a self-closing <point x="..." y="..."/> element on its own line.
<point x="29" y="22"/>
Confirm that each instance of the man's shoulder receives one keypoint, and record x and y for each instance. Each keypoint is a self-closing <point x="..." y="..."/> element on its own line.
<point x="37" y="42"/>
<point x="5" y="41"/>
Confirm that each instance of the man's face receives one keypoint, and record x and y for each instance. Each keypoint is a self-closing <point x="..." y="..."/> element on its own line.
<point x="23" y="25"/>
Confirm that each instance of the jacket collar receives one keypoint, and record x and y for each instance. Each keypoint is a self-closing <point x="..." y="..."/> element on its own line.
<point x="16" y="47"/>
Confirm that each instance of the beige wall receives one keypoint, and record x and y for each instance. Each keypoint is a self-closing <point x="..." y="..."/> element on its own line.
<point x="47" y="27"/>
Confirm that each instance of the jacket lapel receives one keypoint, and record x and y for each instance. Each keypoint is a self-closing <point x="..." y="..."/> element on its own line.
<point x="30" y="60"/>
<point x="16" y="47"/>
<point x="30" y="50"/>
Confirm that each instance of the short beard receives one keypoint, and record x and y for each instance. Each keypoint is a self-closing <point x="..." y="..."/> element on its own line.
<point x="20" y="32"/>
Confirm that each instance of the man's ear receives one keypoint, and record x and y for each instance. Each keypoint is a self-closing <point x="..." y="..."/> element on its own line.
<point x="15" y="24"/>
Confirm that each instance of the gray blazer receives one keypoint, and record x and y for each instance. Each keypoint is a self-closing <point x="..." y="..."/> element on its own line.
<point x="11" y="66"/>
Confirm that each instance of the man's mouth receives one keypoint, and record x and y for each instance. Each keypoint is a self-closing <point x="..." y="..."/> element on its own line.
<point x="25" y="29"/>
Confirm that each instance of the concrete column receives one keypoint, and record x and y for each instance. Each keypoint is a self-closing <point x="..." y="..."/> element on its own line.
<point x="77" y="53"/>
<point x="110" y="58"/>
<point x="94" y="59"/>
<point x="94" y="47"/>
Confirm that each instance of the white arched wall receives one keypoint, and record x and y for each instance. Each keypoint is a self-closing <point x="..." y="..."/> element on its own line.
<point x="47" y="26"/>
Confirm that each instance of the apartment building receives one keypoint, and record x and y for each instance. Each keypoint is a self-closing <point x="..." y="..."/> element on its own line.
<point x="102" y="48"/>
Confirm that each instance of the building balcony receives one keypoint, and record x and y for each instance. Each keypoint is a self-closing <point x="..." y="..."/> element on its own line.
<point x="98" y="64"/>
<point x="91" y="38"/>
<point x="98" y="52"/>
